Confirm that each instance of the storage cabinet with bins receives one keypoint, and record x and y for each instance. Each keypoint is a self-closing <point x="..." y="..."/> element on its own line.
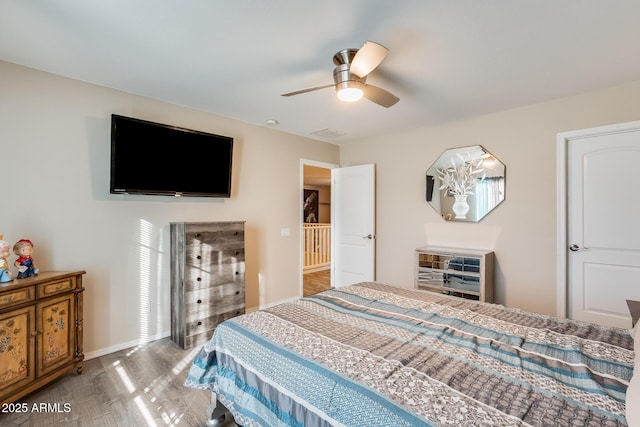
<point x="207" y="278"/>
<point x="40" y="331"/>
<point x="460" y="272"/>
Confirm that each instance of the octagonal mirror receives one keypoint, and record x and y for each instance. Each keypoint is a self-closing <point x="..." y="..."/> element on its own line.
<point x="465" y="184"/>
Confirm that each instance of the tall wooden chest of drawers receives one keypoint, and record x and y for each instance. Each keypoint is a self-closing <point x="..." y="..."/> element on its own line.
<point x="207" y="278"/>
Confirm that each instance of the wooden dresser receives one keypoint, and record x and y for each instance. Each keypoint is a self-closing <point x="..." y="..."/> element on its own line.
<point x="207" y="278"/>
<point x="40" y="331"/>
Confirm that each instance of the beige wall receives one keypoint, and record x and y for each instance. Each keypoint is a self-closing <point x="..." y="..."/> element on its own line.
<point x="55" y="139"/>
<point x="522" y="230"/>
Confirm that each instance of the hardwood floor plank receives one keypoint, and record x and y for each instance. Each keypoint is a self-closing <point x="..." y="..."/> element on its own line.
<point x="141" y="386"/>
<point x="315" y="282"/>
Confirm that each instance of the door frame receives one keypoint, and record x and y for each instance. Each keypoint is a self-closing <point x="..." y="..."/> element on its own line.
<point x="303" y="163"/>
<point x="562" y="248"/>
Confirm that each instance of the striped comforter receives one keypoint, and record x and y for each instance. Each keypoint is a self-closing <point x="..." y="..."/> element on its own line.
<point x="376" y="355"/>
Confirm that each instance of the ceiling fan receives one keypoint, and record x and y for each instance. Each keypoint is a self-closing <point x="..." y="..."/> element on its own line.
<point x="350" y="75"/>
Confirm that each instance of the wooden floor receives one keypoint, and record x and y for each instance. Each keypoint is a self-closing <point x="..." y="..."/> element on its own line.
<point x="141" y="386"/>
<point x="316" y="282"/>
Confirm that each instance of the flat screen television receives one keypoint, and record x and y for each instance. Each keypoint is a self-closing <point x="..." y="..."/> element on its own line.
<point x="158" y="159"/>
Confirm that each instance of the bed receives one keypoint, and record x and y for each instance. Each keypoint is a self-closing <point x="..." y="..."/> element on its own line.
<point x="371" y="354"/>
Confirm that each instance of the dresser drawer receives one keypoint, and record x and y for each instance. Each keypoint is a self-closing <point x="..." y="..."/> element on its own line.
<point x="205" y="256"/>
<point x="213" y="300"/>
<point x="17" y="297"/>
<point x="57" y="287"/>
<point x="201" y="278"/>
<point x="449" y="262"/>
<point x="216" y="238"/>
<point x="205" y="323"/>
<point x="197" y="340"/>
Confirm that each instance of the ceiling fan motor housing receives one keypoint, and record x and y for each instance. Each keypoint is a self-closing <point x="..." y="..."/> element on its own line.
<point x="343" y="77"/>
<point x="345" y="56"/>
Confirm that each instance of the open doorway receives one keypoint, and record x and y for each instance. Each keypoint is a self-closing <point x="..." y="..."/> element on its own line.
<point x="315" y="225"/>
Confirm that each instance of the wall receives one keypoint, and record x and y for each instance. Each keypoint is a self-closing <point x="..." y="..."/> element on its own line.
<point x="522" y="230"/>
<point x="55" y="139"/>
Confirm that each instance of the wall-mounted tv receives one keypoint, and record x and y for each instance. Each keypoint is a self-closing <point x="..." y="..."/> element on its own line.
<point x="158" y="159"/>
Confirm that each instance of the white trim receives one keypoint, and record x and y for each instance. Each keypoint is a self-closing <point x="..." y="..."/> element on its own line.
<point x="318" y="164"/>
<point x="561" y="253"/>
<point x="125" y="345"/>
<point x="562" y="200"/>
<point x="134" y="343"/>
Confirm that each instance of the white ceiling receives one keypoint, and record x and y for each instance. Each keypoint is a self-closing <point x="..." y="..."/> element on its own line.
<point x="447" y="59"/>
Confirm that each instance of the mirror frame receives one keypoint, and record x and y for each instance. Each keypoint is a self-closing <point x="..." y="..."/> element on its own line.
<point x="465" y="184"/>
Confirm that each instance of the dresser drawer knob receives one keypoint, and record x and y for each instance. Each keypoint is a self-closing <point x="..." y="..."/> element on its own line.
<point x="237" y="272"/>
<point x="199" y="257"/>
<point x="199" y="301"/>
<point x="199" y="279"/>
<point x="237" y="313"/>
<point x="237" y="292"/>
<point x="199" y="323"/>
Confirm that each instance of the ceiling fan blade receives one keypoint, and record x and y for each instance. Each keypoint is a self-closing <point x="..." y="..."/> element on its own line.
<point x="369" y="56"/>
<point x="311" y="89"/>
<point x="380" y="96"/>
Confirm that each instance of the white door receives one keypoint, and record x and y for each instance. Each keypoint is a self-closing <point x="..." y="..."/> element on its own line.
<point x="603" y="228"/>
<point x="353" y="219"/>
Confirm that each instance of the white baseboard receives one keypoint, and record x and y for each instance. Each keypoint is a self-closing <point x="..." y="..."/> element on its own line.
<point x="129" y="344"/>
<point x="125" y="345"/>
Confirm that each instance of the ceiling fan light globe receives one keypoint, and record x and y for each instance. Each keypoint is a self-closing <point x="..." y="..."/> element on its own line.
<point x="350" y="94"/>
<point x="350" y="91"/>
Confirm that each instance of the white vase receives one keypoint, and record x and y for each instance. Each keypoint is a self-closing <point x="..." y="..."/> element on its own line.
<point x="461" y="207"/>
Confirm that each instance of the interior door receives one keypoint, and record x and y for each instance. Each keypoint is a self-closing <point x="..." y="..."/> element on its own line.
<point x="603" y="233"/>
<point x="353" y="220"/>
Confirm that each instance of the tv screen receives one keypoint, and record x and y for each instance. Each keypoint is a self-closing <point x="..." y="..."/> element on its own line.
<point x="158" y="159"/>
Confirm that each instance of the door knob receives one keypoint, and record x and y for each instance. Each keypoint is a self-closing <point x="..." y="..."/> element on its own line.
<point x="576" y="248"/>
<point x="368" y="236"/>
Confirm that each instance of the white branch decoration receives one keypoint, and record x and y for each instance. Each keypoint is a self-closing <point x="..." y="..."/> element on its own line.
<point x="459" y="180"/>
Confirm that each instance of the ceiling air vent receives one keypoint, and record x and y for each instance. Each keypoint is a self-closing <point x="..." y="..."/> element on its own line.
<point x="328" y="133"/>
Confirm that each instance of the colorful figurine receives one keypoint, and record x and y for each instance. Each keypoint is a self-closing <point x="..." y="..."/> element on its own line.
<point x="5" y="273"/>
<point x="26" y="266"/>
